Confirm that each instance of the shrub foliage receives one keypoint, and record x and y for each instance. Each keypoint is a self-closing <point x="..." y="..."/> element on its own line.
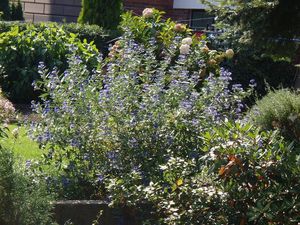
<point x="23" y="49"/>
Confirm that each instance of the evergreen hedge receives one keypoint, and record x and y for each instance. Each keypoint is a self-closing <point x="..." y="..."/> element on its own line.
<point x="105" y="13"/>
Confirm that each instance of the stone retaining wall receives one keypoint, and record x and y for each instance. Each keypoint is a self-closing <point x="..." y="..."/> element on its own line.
<point x="86" y="212"/>
<point x="51" y="10"/>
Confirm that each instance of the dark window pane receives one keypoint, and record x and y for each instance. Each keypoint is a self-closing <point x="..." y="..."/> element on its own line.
<point x="201" y="20"/>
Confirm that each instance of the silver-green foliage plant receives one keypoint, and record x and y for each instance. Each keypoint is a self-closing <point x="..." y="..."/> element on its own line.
<point x="24" y="200"/>
<point x="280" y="109"/>
<point x="150" y="128"/>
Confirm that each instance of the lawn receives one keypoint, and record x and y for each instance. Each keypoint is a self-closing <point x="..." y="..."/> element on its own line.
<point x="21" y="145"/>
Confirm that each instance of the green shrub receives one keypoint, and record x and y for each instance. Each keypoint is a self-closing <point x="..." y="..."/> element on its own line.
<point x="279" y="110"/>
<point x="91" y="33"/>
<point x="83" y="31"/>
<point x="105" y="13"/>
<point x="23" y="200"/>
<point x="21" y="50"/>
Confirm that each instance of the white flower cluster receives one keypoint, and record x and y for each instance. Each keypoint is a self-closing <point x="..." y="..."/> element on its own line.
<point x="6" y="108"/>
<point x="148" y="13"/>
<point x="185" y="45"/>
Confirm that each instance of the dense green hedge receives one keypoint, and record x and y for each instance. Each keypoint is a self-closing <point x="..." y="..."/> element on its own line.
<point x="24" y="46"/>
<point x="89" y="32"/>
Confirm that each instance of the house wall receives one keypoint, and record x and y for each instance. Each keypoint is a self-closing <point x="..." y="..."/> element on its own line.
<point x="68" y="10"/>
<point x="137" y="6"/>
<point x="51" y="10"/>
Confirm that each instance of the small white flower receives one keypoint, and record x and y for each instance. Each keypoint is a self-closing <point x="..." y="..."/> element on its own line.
<point x="184" y="49"/>
<point x="163" y="167"/>
<point x="293" y="117"/>
<point x="187" y="41"/>
<point x="15" y="132"/>
<point x="148" y="12"/>
<point x="213" y="53"/>
<point x="229" y="53"/>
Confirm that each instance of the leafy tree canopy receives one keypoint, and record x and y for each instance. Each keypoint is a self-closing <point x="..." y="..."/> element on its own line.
<point x="271" y="26"/>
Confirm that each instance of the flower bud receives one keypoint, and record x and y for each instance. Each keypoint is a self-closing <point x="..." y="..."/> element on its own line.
<point x="148" y="13"/>
<point x="202" y="72"/>
<point x="229" y="53"/>
<point x="212" y="62"/>
<point x="15" y="132"/>
<point x="205" y="49"/>
<point x="179" y="27"/>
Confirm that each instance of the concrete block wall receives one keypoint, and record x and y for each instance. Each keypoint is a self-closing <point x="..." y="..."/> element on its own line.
<point x="51" y="10"/>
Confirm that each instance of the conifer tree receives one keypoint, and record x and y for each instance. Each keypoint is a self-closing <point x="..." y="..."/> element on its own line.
<point x="266" y="25"/>
<point x="105" y="13"/>
<point x="5" y="9"/>
<point x="17" y="11"/>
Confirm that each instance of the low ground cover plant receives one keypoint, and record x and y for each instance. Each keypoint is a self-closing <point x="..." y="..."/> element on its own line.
<point x="20" y="144"/>
<point x="159" y="124"/>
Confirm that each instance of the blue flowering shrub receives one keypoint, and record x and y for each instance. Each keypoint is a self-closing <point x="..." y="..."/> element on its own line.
<point x="150" y="128"/>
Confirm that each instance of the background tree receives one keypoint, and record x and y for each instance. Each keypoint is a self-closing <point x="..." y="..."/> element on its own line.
<point x="17" y="11"/>
<point x="5" y="9"/>
<point x="265" y="36"/>
<point x="269" y="26"/>
<point x="105" y="13"/>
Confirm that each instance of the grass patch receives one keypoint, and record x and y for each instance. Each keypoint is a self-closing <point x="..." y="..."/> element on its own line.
<point x="22" y="145"/>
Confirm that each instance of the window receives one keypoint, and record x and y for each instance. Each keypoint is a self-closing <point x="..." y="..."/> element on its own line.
<point x="201" y="20"/>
